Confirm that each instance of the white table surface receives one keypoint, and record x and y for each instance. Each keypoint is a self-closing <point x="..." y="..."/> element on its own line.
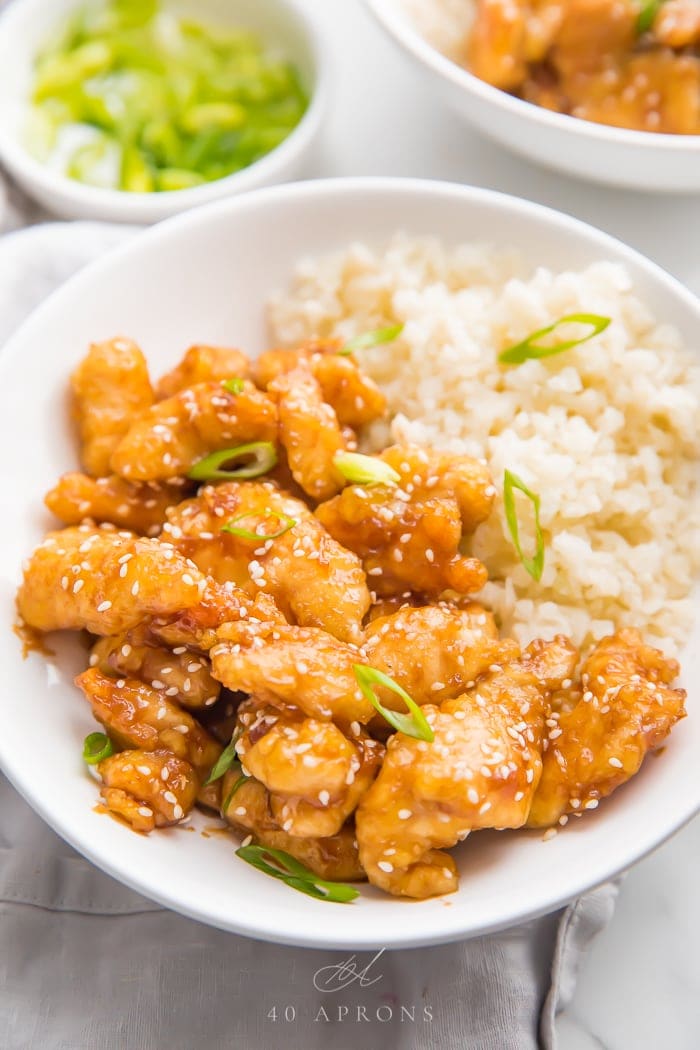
<point x="640" y="986"/>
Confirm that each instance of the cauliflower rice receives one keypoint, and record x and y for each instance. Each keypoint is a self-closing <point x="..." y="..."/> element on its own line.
<point x="606" y="433"/>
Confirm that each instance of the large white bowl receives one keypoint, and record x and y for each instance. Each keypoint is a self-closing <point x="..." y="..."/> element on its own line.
<point x="281" y="24"/>
<point x="206" y="276"/>
<point x="639" y="160"/>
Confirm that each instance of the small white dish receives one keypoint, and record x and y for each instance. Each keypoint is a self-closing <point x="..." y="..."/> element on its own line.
<point x="639" y="160"/>
<point x="281" y="24"/>
<point x="187" y="281"/>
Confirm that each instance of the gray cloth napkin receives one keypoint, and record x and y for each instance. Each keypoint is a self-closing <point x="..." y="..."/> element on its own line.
<point x="86" y="964"/>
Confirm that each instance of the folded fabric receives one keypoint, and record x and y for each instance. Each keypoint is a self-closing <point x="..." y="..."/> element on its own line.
<point x="86" y="964"/>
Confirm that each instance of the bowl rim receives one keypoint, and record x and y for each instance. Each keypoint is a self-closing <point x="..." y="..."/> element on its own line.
<point x="321" y="935"/>
<point x="397" y="25"/>
<point x="145" y="207"/>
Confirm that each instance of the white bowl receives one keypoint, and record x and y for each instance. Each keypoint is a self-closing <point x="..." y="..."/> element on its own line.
<point x="186" y="281"/>
<point x="24" y="28"/>
<point x="639" y="160"/>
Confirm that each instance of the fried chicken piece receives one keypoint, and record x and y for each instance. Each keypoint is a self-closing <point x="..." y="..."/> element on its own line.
<point x="434" y="652"/>
<point x="309" y="432"/>
<point x="104" y="581"/>
<point x="174" y="434"/>
<point x="197" y="627"/>
<point x="203" y="364"/>
<point x="480" y="772"/>
<point x="110" y="386"/>
<point x="315" y="773"/>
<point x="353" y="396"/>
<point x="148" y="789"/>
<point x="626" y="710"/>
<point x="313" y="580"/>
<point x="137" y="715"/>
<point x="138" y="506"/>
<point x="334" y="857"/>
<point x="677" y="23"/>
<point x="184" y="676"/>
<point x="409" y="536"/>
<point x="292" y="666"/>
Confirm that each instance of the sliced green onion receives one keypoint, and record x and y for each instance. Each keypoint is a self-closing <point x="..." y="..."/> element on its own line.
<point x="96" y="747"/>
<point x="247" y="534"/>
<point x="369" y="339"/>
<point x="225" y="761"/>
<point x="529" y="349"/>
<point x="241" y="780"/>
<point x="510" y="482"/>
<point x="234" y="386"/>
<point x="283" y="866"/>
<point x="414" y="724"/>
<point x="647" y="15"/>
<point x="365" y="470"/>
<point x="262" y="453"/>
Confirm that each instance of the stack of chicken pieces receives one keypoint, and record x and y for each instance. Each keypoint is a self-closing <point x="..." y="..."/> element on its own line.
<point x="197" y="634"/>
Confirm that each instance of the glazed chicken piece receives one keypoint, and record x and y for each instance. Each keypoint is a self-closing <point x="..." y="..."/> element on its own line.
<point x="138" y="506"/>
<point x="507" y="35"/>
<point x="627" y="709"/>
<point x="196" y="627"/>
<point x="110" y="386"/>
<point x="314" y="581"/>
<point x="286" y="666"/>
<point x="480" y="772"/>
<point x="434" y="652"/>
<point x="409" y="536"/>
<point x="677" y="23"/>
<point x="148" y="789"/>
<point x="108" y="582"/>
<point x="352" y="395"/>
<point x="137" y="715"/>
<point x="334" y="858"/>
<point x="174" y="434"/>
<point x="309" y="432"/>
<point x="203" y="364"/>
<point x="315" y="773"/>
<point x="184" y="676"/>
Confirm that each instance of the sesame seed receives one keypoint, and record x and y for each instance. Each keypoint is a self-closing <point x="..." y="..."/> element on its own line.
<point x="145" y="811"/>
<point x="247" y="840"/>
<point x="126" y="650"/>
<point x="120" y="683"/>
<point x="405" y="814"/>
<point x="180" y="650"/>
<point x="591" y="804"/>
<point x="164" y="773"/>
<point x="93" y="659"/>
<point x="324" y="798"/>
<point x="104" y="606"/>
<point x="549" y="834"/>
<point x="78" y="585"/>
<point x="169" y="797"/>
<point x="240" y="811"/>
<point x="145" y="770"/>
<point x="135" y="588"/>
<point x="386" y="866"/>
<point x="473" y="795"/>
<point x="615" y="762"/>
<point x="429" y="555"/>
<point x="178" y="812"/>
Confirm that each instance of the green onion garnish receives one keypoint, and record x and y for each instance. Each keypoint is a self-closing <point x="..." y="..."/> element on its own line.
<point x="281" y="865"/>
<point x="510" y="482"/>
<point x="225" y="760"/>
<point x="241" y="780"/>
<point x="529" y="349"/>
<point x="247" y="534"/>
<point x="365" y="470"/>
<point x="647" y="15"/>
<point x="370" y="339"/>
<point x="414" y="724"/>
<point x="96" y="747"/>
<point x="259" y="455"/>
<point x="234" y="386"/>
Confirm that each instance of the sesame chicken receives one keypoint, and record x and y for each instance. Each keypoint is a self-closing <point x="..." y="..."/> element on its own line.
<point x="628" y="708"/>
<point x="170" y="437"/>
<point x="334" y="857"/>
<point x="479" y="772"/>
<point x="110" y="386"/>
<point x="148" y="789"/>
<point x="315" y="773"/>
<point x="203" y="364"/>
<point x="138" y="506"/>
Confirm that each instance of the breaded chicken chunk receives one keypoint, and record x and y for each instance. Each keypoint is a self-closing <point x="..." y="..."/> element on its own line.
<point x="185" y="676"/>
<point x="334" y="857"/>
<point x="314" y="581"/>
<point x="627" y="709"/>
<point x="203" y="364"/>
<point x="148" y="789"/>
<point x="138" y="506"/>
<point x="110" y="387"/>
<point x="176" y="433"/>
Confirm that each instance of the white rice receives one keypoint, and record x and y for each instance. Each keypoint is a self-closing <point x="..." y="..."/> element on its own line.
<point x="443" y="23"/>
<point x="606" y="433"/>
